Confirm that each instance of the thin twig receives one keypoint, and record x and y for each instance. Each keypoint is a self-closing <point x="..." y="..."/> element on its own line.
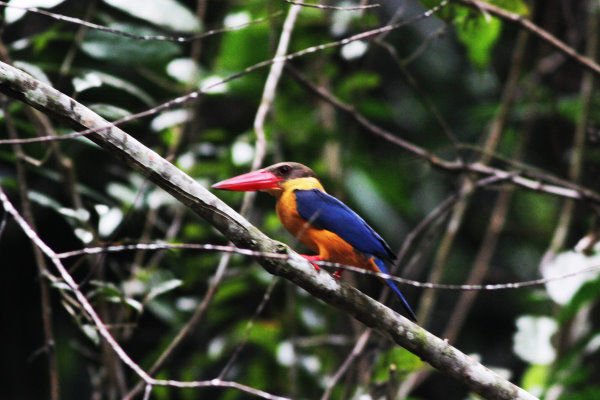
<point x="30" y="232"/>
<point x="40" y="261"/>
<point x="3" y="222"/>
<point x="196" y="49"/>
<point x="402" y="65"/>
<point x="425" y="98"/>
<point x="370" y="34"/>
<point x="570" y="332"/>
<point x="491" y="143"/>
<point x="248" y="329"/>
<point x="67" y="62"/>
<point x="328" y="7"/>
<point x="267" y="98"/>
<point x="268" y="95"/>
<point x="219" y="383"/>
<point x="485" y="7"/>
<point x="260" y="151"/>
<point x="166" y="38"/>
<point x="430" y="348"/>
<point x="147" y="392"/>
<point x="357" y="350"/>
<point x="191" y="324"/>
<point x="538" y="182"/>
<point x="577" y="151"/>
<point x="278" y="256"/>
<point x="101" y="327"/>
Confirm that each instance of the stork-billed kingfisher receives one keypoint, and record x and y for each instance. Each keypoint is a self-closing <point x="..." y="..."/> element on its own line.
<point x="320" y="221"/>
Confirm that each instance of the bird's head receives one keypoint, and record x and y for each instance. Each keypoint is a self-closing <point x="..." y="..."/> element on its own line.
<point x="271" y="179"/>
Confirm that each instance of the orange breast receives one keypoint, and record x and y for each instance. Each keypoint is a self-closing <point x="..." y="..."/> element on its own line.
<point x="327" y="244"/>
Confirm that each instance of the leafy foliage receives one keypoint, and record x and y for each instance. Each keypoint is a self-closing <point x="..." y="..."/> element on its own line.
<point x="440" y="87"/>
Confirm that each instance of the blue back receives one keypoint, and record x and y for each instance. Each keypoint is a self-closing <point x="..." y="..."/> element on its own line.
<point x="326" y="212"/>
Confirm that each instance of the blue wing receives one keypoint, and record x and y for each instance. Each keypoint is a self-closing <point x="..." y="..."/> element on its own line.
<point x="326" y="212"/>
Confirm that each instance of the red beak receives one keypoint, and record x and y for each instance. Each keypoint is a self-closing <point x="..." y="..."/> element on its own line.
<point x="250" y="182"/>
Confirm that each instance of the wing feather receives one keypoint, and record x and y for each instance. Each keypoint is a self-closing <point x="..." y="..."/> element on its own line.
<point x="326" y="212"/>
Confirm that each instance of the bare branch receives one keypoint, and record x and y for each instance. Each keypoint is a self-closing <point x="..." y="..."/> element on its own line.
<point x="525" y="23"/>
<point x="519" y="178"/>
<point x="577" y="153"/>
<point x="42" y="265"/>
<point x="260" y="151"/>
<point x="103" y="329"/>
<point x="328" y="7"/>
<point x="430" y="348"/>
<point x="268" y="95"/>
<point x="162" y="38"/>
<point x="187" y="98"/>
<point x="248" y="329"/>
<point x="278" y="256"/>
<point x="356" y="351"/>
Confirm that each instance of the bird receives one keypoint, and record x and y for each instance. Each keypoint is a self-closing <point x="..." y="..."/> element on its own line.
<point x="324" y="224"/>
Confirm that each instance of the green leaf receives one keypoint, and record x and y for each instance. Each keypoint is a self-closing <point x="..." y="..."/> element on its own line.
<point x="33" y="70"/>
<point x="538" y="214"/>
<point x="231" y="290"/>
<point x="357" y="84"/>
<point x="586" y="294"/>
<point x="162" y="288"/>
<point x="476" y="30"/>
<point x="398" y="359"/>
<point x="166" y="13"/>
<point x="515" y="6"/>
<point x="535" y="378"/>
<point x="569" y="262"/>
<point x="106" y="289"/>
<point x="570" y="108"/>
<point x="91" y="79"/>
<point x="184" y="70"/>
<point x="263" y="333"/>
<point x="479" y="35"/>
<point x="164" y="311"/>
<point x="109" y="111"/>
<point x="44" y="200"/>
<point x="121" y="50"/>
<point x="91" y="332"/>
<point x="133" y="303"/>
<point x="112" y="293"/>
<point x="170" y="118"/>
<point x="238" y="50"/>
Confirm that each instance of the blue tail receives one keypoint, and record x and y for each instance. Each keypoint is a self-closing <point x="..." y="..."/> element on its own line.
<point x="392" y="285"/>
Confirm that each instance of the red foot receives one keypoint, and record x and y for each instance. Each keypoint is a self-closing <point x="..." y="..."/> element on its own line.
<point x="311" y="259"/>
<point x="337" y="274"/>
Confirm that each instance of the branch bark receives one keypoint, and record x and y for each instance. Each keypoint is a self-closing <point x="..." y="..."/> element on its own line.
<point x="435" y="351"/>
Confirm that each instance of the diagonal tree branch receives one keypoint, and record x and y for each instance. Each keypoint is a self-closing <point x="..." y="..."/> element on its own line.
<point x="524" y="175"/>
<point x="527" y="24"/>
<point x="260" y="151"/>
<point x="103" y="329"/>
<point x="435" y="351"/>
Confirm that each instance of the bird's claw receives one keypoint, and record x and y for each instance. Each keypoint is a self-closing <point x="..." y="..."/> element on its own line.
<point x="312" y="259"/>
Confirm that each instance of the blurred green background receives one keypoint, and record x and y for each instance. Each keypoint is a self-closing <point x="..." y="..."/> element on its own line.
<point x="440" y="82"/>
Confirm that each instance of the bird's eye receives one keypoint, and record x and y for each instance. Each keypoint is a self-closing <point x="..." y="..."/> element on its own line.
<point x="284" y="169"/>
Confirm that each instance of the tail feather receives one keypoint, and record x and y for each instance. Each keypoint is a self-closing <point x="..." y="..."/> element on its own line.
<point x="381" y="265"/>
